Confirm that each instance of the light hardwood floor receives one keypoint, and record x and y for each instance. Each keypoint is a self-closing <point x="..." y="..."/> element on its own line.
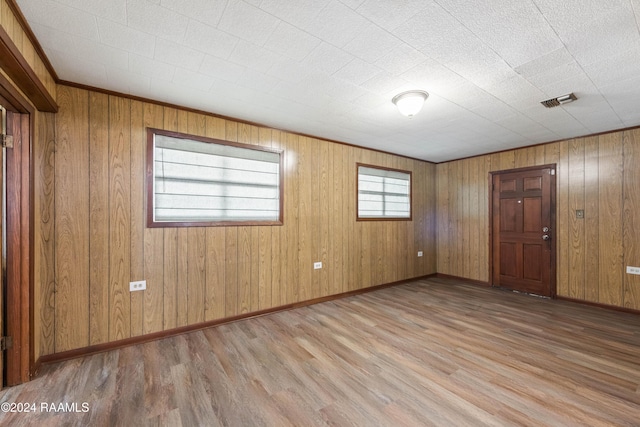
<point x="431" y="352"/>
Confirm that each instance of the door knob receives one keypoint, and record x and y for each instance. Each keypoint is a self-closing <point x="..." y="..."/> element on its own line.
<point x="545" y="229"/>
<point x="545" y="237"/>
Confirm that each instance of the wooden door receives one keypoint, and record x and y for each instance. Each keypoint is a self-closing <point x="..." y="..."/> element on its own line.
<point x="523" y="230"/>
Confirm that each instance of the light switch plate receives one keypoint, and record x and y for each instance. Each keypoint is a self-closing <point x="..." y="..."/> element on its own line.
<point x="317" y="265"/>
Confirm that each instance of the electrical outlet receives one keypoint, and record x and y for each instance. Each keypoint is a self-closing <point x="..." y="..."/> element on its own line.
<point x="633" y="270"/>
<point x="317" y="265"/>
<point x="420" y="253"/>
<point x="138" y="286"/>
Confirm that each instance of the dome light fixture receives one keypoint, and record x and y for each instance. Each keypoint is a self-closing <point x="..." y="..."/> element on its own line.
<point x="410" y="103"/>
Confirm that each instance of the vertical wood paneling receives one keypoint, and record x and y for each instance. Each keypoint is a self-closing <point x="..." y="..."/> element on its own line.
<point x="610" y="224"/>
<point x="562" y="220"/>
<point x="324" y="201"/>
<point x="72" y="220"/>
<point x="336" y="240"/>
<point x="159" y="300"/>
<point x="483" y="182"/>
<point x="182" y="239"/>
<point x="98" y="218"/>
<point x="159" y="303"/>
<point x="245" y="258"/>
<point x="214" y="304"/>
<point x="365" y="244"/>
<point x="119" y="218"/>
<point x="442" y="209"/>
<point x="576" y="225"/>
<point x="196" y="238"/>
<point x="306" y="231"/>
<point x="278" y="251"/>
<point x="292" y="192"/>
<point x="592" y="217"/>
<point x="348" y="219"/>
<point x="201" y="274"/>
<point x="265" y="283"/>
<point x="631" y="216"/>
<point x="594" y="174"/>
<point x="44" y="232"/>
<point x="137" y="239"/>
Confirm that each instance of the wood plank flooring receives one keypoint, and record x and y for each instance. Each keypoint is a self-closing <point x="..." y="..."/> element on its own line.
<point x="428" y="353"/>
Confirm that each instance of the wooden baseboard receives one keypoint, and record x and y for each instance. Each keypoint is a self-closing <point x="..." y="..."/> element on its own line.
<point x="599" y="305"/>
<point x="113" y="345"/>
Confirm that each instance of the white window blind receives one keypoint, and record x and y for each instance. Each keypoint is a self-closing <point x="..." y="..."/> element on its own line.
<point x="196" y="181"/>
<point x="383" y="193"/>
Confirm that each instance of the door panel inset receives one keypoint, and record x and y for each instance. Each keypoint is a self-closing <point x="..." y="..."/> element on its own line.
<point x="532" y="212"/>
<point x="508" y="213"/>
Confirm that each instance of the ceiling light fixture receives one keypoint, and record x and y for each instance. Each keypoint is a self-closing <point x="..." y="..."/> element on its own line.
<point x="409" y="103"/>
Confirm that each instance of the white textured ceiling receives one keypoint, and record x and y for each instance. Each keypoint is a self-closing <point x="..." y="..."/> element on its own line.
<point x="329" y="68"/>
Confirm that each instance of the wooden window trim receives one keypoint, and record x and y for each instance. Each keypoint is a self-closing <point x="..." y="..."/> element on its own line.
<point x="150" y="181"/>
<point x="409" y="218"/>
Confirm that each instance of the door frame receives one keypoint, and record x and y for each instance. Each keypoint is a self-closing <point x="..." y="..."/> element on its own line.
<point x="19" y="360"/>
<point x="553" y="208"/>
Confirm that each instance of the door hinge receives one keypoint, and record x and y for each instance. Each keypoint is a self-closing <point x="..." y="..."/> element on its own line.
<point x="6" y="343"/>
<point x="7" y="141"/>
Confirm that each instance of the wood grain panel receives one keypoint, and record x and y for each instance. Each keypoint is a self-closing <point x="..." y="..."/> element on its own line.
<point x="119" y="218"/>
<point x="182" y="239"/>
<point x="337" y="241"/>
<point x="278" y="234"/>
<point x="475" y="215"/>
<point x="631" y="216"/>
<point x="306" y="232"/>
<point x="483" y="188"/>
<point x="576" y="225"/>
<point x="592" y="217"/>
<point x="196" y="238"/>
<point x="98" y="218"/>
<point x="442" y="209"/>
<point x="214" y="304"/>
<point x="72" y="220"/>
<point x="324" y="250"/>
<point x="265" y="247"/>
<point x="292" y="193"/>
<point x="215" y="272"/>
<point x="562" y="208"/>
<point x="159" y="266"/>
<point x="366" y="237"/>
<point x="44" y="230"/>
<point x="137" y="212"/>
<point x="465" y="240"/>
<point x="610" y="173"/>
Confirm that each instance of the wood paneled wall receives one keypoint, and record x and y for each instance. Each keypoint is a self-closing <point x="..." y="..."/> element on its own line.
<point x="92" y="241"/>
<point x="12" y="26"/>
<point x="599" y="174"/>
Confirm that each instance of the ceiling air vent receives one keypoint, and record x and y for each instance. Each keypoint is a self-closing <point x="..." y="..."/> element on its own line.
<point x="564" y="99"/>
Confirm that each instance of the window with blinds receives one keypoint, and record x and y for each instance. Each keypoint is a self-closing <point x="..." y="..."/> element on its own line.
<point x="383" y="193"/>
<point x="200" y="182"/>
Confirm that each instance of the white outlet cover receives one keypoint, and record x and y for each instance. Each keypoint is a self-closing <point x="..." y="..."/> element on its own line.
<point x="317" y="265"/>
<point x="140" y="285"/>
<point x="420" y="253"/>
<point x="633" y="270"/>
